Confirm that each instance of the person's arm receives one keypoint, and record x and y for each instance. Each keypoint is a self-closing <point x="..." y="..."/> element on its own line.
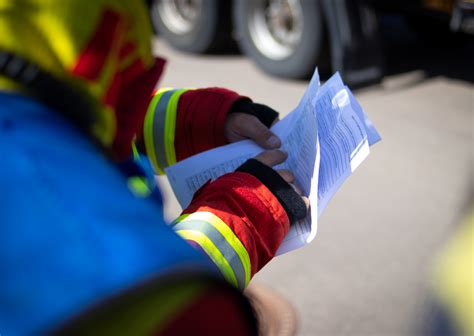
<point x="240" y="219"/>
<point x="182" y="122"/>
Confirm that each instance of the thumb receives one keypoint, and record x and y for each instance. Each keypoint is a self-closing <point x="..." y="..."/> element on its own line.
<point x="254" y="129"/>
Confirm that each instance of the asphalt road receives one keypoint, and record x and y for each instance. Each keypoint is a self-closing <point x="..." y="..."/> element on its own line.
<point x="368" y="270"/>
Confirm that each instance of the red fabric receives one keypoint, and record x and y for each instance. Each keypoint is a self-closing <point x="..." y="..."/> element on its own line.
<point x="91" y="61"/>
<point x="126" y="50"/>
<point x="200" y="120"/>
<point x="216" y="312"/>
<point x="129" y="91"/>
<point x="132" y="97"/>
<point x="250" y="210"/>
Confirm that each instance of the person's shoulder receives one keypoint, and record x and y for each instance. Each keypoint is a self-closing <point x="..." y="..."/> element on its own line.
<point x="53" y="174"/>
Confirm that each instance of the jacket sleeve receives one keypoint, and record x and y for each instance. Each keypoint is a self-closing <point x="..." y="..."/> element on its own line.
<point x="238" y="222"/>
<point x="183" y="122"/>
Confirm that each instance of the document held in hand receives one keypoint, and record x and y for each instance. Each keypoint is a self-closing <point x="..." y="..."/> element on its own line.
<point x="326" y="136"/>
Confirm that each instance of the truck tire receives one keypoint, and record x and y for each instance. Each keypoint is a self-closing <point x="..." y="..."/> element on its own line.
<point x="196" y="26"/>
<point x="284" y="38"/>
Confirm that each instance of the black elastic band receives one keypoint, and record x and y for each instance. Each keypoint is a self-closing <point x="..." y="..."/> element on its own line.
<point x="263" y="113"/>
<point x="289" y="199"/>
<point x="49" y="90"/>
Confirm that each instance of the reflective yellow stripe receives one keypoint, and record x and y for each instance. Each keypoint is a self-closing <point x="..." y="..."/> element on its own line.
<point x="212" y="251"/>
<point x="136" y="154"/>
<point x="180" y="219"/>
<point x="226" y="232"/>
<point x="170" y="126"/>
<point x="142" y="312"/>
<point x="138" y="186"/>
<point x="148" y="130"/>
<point x="160" y="126"/>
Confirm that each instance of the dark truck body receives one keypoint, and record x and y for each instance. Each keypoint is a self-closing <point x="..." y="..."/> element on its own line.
<point x="345" y="38"/>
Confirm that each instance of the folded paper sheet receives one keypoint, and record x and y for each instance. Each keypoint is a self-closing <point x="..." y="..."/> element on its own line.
<point x="326" y="136"/>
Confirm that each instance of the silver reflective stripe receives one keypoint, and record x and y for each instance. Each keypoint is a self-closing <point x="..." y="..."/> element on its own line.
<point x="220" y="242"/>
<point x="159" y="129"/>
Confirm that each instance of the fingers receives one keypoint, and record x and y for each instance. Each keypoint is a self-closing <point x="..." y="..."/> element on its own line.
<point x="272" y="157"/>
<point x="297" y="189"/>
<point x="241" y="125"/>
<point x="286" y="175"/>
<point x="290" y="179"/>
<point x="280" y="182"/>
<point x="300" y="192"/>
<point x="275" y="157"/>
<point x="306" y="201"/>
<point x="275" y="121"/>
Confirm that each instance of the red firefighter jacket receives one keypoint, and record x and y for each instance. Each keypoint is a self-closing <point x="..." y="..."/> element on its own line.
<point x="235" y="220"/>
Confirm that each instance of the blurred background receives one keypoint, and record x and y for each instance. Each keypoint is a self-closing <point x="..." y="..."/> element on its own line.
<point x="372" y="268"/>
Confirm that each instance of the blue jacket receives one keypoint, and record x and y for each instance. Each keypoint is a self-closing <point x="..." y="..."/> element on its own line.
<point x="71" y="232"/>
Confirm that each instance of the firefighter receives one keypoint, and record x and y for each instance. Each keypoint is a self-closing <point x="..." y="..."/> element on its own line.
<point x="83" y="245"/>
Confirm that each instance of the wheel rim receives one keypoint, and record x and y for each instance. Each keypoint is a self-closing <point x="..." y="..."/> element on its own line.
<point x="179" y="16"/>
<point x="276" y="27"/>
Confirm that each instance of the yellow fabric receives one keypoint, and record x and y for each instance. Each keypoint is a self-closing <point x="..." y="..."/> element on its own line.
<point x="138" y="186"/>
<point x="454" y="277"/>
<point x="148" y="131"/>
<point x="170" y="126"/>
<point x="212" y="251"/>
<point x="136" y="154"/>
<point x="54" y="33"/>
<point x="144" y="315"/>
<point x="226" y="232"/>
<point x="168" y="136"/>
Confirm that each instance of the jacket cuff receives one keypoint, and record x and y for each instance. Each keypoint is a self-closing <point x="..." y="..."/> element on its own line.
<point x="265" y="114"/>
<point x="289" y="199"/>
<point x="249" y="210"/>
<point x="200" y="120"/>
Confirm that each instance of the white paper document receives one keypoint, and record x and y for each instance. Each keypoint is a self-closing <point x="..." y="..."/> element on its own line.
<point x="326" y="136"/>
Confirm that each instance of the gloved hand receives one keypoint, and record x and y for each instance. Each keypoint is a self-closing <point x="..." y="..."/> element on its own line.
<point x="248" y="120"/>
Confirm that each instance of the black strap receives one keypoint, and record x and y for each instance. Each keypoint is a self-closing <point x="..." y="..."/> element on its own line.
<point x="289" y="199"/>
<point x="49" y="90"/>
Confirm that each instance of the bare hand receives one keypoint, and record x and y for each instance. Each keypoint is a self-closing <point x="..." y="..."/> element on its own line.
<point x="240" y="126"/>
<point x="274" y="157"/>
